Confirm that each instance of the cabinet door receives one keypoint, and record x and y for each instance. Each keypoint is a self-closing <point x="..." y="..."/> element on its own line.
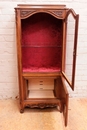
<point x="70" y="47"/>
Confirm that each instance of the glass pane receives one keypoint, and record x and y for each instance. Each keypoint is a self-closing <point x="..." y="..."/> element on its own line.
<point x="69" y="47"/>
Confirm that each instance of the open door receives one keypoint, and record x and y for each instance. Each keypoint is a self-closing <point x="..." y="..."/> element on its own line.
<point x="70" y="43"/>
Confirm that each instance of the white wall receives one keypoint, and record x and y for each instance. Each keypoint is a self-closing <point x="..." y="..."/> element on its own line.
<point x="8" y="59"/>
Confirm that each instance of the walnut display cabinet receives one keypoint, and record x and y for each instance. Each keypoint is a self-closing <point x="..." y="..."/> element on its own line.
<point x="46" y="52"/>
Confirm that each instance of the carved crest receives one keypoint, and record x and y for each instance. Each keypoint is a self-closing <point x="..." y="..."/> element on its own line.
<point x="27" y="13"/>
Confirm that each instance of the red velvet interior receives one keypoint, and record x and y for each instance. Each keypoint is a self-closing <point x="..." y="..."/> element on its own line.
<point x="41" y="43"/>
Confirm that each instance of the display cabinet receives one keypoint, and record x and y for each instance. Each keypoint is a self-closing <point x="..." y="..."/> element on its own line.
<point x="46" y="53"/>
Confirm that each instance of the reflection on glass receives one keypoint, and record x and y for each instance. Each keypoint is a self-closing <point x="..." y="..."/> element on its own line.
<point x="69" y="47"/>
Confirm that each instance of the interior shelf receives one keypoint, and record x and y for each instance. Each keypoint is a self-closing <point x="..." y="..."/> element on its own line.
<point x="40" y="46"/>
<point x="41" y="94"/>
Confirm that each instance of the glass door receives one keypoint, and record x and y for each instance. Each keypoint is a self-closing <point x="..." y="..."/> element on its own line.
<point x="70" y="46"/>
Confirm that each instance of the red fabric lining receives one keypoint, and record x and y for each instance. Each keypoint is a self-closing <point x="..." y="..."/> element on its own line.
<point x="41" y="43"/>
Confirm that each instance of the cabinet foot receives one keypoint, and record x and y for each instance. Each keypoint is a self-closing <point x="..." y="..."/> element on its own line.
<point x="21" y="110"/>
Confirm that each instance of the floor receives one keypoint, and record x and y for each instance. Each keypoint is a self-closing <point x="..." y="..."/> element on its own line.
<point x="42" y="119"/>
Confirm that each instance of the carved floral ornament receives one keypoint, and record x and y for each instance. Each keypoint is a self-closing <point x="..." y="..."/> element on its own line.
<point x="42" y="105"/>
<point x="56" y="13"/>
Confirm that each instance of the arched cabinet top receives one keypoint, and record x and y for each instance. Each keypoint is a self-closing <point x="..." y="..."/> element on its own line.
<point x="58" y="11"/>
